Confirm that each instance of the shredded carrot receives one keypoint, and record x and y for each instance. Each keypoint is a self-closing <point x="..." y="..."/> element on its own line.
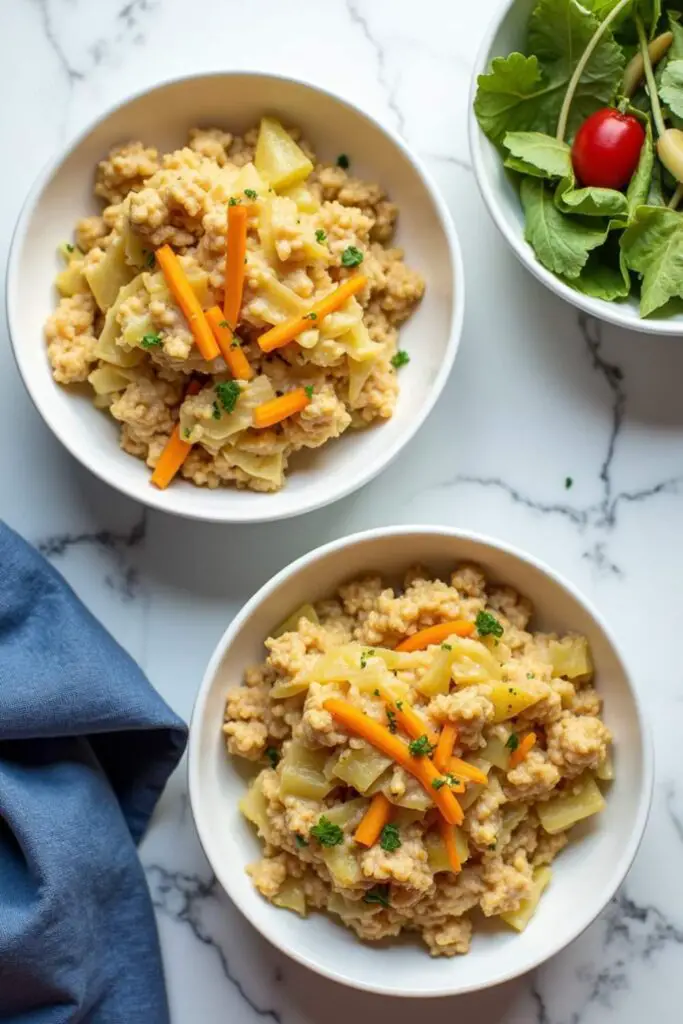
<point x="444" y="746"/>
<point x="374" y="820"/>
<point x="235" y="256"/>
<point x="435" y="635"/>
<point x="285" y="332"/>
<point x="380" y="738"/>
<point x="407" y="717"/>
<point x="188" y="302"/>
<point x="465" y="770"/>
<point x="175" y="450"/>
<point x="278" y="409"/>
<point x="525" y="745"/>
<point x="448" y="835"/>
<point x="238" y="364"/>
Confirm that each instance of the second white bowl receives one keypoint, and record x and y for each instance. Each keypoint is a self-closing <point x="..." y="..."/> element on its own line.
<point x="162" y="117"/>
<point x="586" y="874"/>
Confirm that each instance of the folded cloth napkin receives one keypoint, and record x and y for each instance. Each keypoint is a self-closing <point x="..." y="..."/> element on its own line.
<point x="86" y="747"/>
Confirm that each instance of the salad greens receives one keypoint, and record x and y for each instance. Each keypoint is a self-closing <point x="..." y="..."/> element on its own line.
<point x="580" y="58"/>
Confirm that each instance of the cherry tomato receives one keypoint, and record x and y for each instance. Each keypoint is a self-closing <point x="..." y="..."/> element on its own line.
<point x="607" y="148"/>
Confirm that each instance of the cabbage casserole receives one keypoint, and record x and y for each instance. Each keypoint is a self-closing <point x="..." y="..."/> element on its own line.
<point x="235" y="302"/>
<point x="422" y="756"/>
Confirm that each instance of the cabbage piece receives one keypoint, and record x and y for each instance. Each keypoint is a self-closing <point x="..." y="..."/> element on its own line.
<point x="360" y="767"/>
<point x="519" y="919"/>
<point x="106" y="347"/>
<point x="510" y="700"/>
<point x="254" y="807"/>
<point x="348" y="814"/>
<point x="137" y="250"/>
<point x="71" y="280"/>
<point x="580" y="800"/>
<point x="291" y="896"/>
<point x="278" y="159"/>
<point x="359" y="345"/>
<point x="338" y="904"/>
<point x="342" y="863"/>
<point x="571" y="658"/>
<point x="302" y="773"/>
<point x="304" y="198"/>
<point x="248" y="178"/>
<point x="214" y="433"/>
<point x="107" y="277"/>
<point x="291" y="623"/>
<point x="605" y="770"/>
<point x="261" y="467"/>
<point x="437" y="855"/>
<point x="474" y="789"/>
<point x="497" y="753"/>
<point x="155" y="283"/>
<point x="359" y="374"/>
<point x="107" y="379"/>
<point x="461" y="660"/>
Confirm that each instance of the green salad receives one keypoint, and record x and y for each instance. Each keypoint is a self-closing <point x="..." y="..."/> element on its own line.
<point x="588" y="120"/>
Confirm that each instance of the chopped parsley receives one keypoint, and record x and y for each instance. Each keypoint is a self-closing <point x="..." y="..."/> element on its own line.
<point x="343" y="161"/>
<point x="421" y="747"/>
<point x="391" y="720"/>
<point x="311" y="316"/>
<point x="187" y="433"/>
<point x="327" y="833"/>
<point x="438" y="783"/>
<point x="69" y="247"/>
<point x="216" y="411"/>
<point x="151" y="259"/>
<point x="513" y="741"/>
<point x="446" y="647"/>
<point x="568" y="482"/>
<point x="250" y="193"/>
<point x="488" y="625"/>
<point x="452" y="779"/>
<point x="309" y="394"/>
<point x="370" y="651"/>
<point x="399" y="359"/>
<point x="531" y="675"/>
<point x="228" y="392"/>
<point x="151" y="340"/>
<point x="378" y="894"/>
<point x="273" y="756"/>
<point x="492" y="846"/>
<point x="300" y="841"/>
<point x="224" y="323"/>
<point x="235" y="343"/>
<point x="376" y="693"/>
<point x="321" y="236"/>
<point x="233" y="201"/>
<point x="390" y="838"/>
<point x="399" y="704"/>
<point x="351" y="257"/>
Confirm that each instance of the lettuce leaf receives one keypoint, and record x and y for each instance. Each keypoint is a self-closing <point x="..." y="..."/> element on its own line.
<point x="653" y="247"/>
<point x="561" y="243"/>
<point x="525" y="93"/>
<point x="544" y="155"/>
<point x="671" y="87"/>
<point x="590" y="201"/>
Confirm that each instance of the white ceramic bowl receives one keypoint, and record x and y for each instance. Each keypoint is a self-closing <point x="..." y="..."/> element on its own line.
<point x="506" y="34"/>
<point x="586" y="874"/>
<point x="162" y="117"/>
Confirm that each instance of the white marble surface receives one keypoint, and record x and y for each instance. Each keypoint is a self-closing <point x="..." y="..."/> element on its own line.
<point x="538" y="394"/>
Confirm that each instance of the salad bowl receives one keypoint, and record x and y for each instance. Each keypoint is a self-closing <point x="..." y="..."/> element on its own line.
<point x="501" y="194"/>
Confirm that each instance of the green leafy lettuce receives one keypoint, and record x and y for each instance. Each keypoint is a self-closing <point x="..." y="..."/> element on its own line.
<point x="561" y="243"/>
<point x="653" y="247"/>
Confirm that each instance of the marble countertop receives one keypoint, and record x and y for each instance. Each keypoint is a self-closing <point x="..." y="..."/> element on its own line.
<point x="564" y="436"/>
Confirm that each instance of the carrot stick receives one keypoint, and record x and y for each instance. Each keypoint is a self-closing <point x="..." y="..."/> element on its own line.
<point x="238" y="364"/>
<point x="518" y="755"/>
<point x="277" y="409"/>
<point x="175" y="451"/>
<point x="444" y="746"/>
<point x="285" y="332"/>
<point x="393" y="747"/>
<point x="464" y="770"/>
<point x="410" y="721"/>
<point x="374" y="820"/>
<point x="188" y="301"/>
<point x="448" y="835"/>
<point x="435" y="635"/>
<point x="235" y="256"/>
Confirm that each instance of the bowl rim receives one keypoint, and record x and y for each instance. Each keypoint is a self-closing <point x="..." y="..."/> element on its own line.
<point x="319" y="555"/>
<point x="601" y="309"/>
<point x="320" y="497"/>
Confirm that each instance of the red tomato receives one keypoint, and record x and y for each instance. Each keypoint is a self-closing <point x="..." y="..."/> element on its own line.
<point x="607" y="148"/>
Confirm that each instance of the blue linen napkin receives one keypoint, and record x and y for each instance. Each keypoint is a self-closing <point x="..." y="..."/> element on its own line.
<point x="86" y="747"/>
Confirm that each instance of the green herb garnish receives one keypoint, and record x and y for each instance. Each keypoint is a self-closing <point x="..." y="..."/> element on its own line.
<point x="150" y="260"/>
<point x="233" y="201"/>
<point x="151" y="340"/>
<point x="513" y="741"/>
<point x="531" y="675"/>
<point x="250" y="193"/>
<point x="320" y="236"/>
<point x="69" y="247"/>
<point x="390" y="838"/>
<point x="421" y="747"/>
<point x="488" y="625"/>
<point x="391" y="720"/>
<point x="401" y="358"/>
<point x="568" y="482"/>
<point x="438" y="783"/>
<point x="375" y="692"/>
<point x="370" y="651"/>
<point x="327" y="833"/>
<point x="187" y="433"/>
<point x="300" y="841"/>
<point x="399" y="704"/>
<point x="273" y="755"/>
<point x="216" y="412"/>
<point x="228" y="392"/>
<point x="446" y="647"/>
<point x="309" y="392"/>
<point x="351" y="257"/>
<point x="378" y="894"/>
<point x="343" y="161"/>
<point x="311" y="316"/>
